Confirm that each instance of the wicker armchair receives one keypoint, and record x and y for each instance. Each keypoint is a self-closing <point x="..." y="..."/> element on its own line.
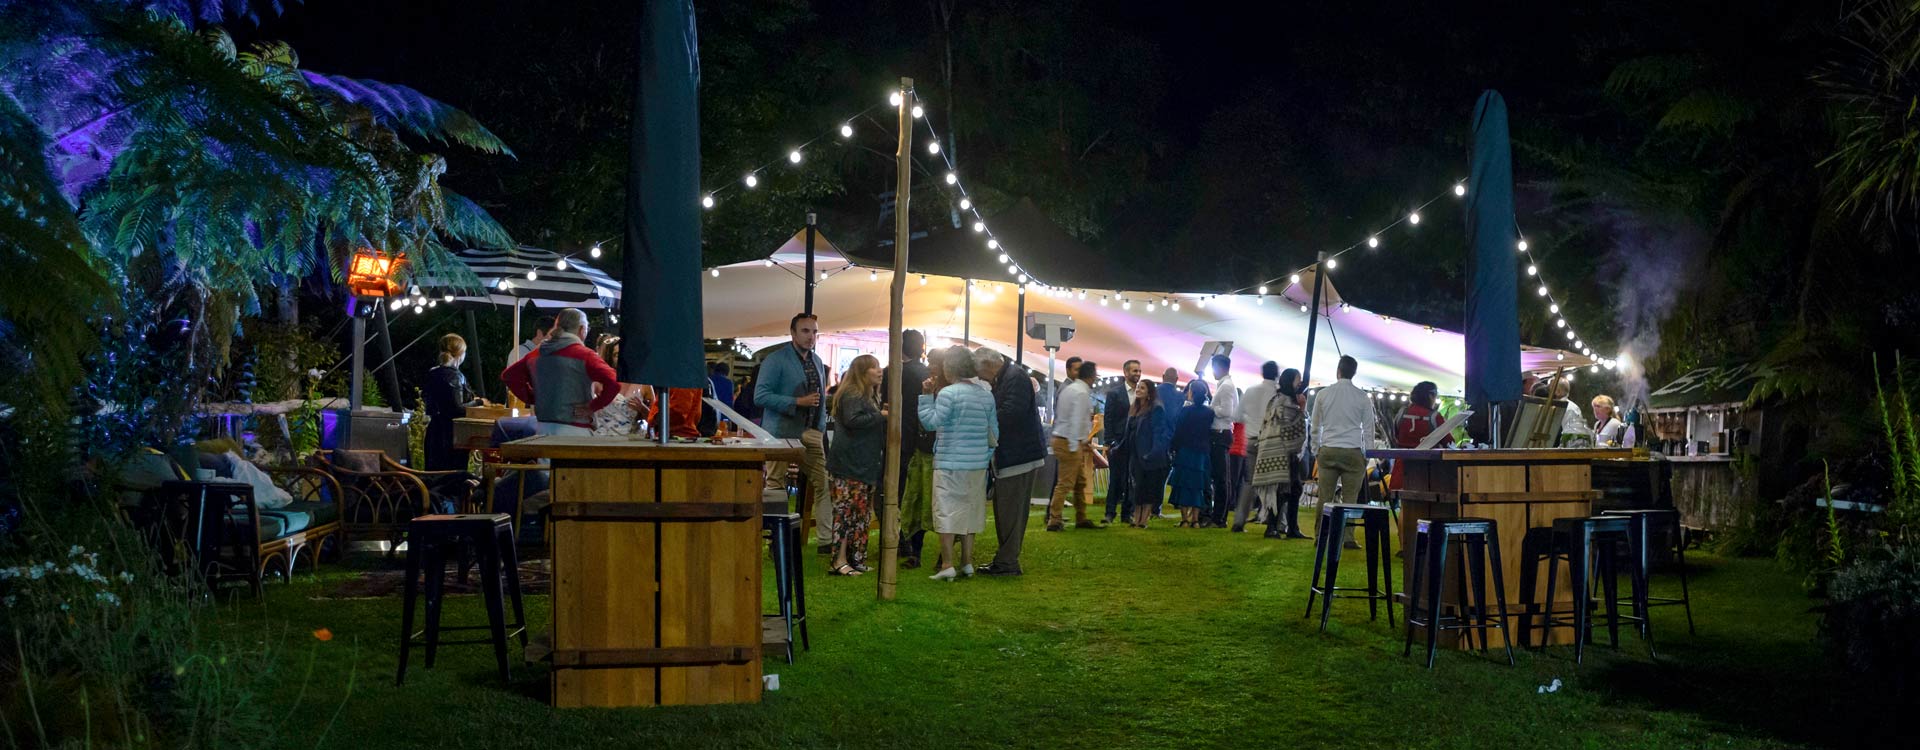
<point x="376" y="503"/>
<point x="222" y="531"/>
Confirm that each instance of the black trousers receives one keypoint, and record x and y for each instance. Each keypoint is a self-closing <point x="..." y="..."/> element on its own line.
<point x="1120" y="480"/>
<point x="1219" y="501"/>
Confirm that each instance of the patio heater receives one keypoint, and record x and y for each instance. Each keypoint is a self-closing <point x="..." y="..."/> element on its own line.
<point x="1052" y="329"/>
<point x="369" y="277"/>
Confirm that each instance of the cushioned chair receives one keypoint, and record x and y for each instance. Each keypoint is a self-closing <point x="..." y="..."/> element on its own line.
<point x="221" y="528"/>
<point x="380" y="496"/>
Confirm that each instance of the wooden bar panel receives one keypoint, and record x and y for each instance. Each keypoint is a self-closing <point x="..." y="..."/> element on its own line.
<point x="597" y="603"/>
<point x="1560" y="477"/>
<point x="1493" y="479"/>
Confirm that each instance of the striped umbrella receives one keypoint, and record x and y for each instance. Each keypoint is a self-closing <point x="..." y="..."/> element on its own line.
<point x="556" y="280"/>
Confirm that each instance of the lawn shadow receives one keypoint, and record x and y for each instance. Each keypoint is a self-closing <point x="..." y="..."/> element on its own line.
<point x="1764" y="696"/>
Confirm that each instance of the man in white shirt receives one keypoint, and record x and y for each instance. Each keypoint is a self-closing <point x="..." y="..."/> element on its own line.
<point x="542" y="330"/>
<point x="1226" y="409"/>
<point x="1253" y="411"/>
<point x="1342" y="430"/>
<point x="1072" y="428"/>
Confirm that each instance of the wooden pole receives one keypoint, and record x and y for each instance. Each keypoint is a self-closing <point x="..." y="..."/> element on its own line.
<point x="807" y="304"/>
<point x="890" y="475"/>
<point x="966" y="316"/>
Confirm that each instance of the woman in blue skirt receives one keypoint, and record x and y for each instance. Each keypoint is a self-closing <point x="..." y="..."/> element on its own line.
<point x="1192" y="438"/>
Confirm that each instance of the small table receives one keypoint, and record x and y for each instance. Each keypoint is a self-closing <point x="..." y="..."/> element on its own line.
<point x="1523" y="491"/>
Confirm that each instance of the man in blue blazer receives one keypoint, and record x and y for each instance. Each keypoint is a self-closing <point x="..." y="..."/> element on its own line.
<point x="791" y="387"/>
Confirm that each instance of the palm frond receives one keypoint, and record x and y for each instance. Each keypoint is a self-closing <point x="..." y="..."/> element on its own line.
<point x="403" y="108"/>
<point x="1710" y="110"/>
<point x="469" y="223"/>
<point x="1654" y="75"/>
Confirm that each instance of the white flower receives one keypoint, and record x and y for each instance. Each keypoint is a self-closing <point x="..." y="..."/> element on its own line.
<point x="315" y="373"/>
<point x="108" y="597"/>
<point x="75" y="550"/>
<point x="126" y="577"/>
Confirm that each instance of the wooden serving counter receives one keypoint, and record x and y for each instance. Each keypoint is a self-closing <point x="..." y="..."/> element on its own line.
<point x="1523" y="491"/>
<point x="656" y="568"/>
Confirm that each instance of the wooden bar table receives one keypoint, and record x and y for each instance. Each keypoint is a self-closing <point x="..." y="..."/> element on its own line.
<point x="1523" y="491"/>
<point x="656" y="568"/>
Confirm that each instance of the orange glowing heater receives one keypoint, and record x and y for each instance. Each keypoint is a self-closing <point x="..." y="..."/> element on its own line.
<point x="371" y="273"/>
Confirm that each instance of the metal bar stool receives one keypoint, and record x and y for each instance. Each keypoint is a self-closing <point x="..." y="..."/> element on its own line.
<point x="1586" y="544"/>
<point x="428" y="540"/>
<point x="1331" y="526"/>
<point x="1643" y="526"/>
<point x="789" y="575"/>
<point x="1481" y="539"/>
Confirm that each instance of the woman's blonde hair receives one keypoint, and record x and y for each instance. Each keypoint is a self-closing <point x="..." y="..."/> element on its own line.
<point x="451" y="347"/>
<point x="1603" y="400"/>
<point x="854" y="382"/>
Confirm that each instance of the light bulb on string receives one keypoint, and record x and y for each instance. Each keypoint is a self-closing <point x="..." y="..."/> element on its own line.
<point x="1570" y="336"/>
<point x="1561" y="323"/>
<point x="794" y="156"/>
<point x="1346" y="308"/>
<point x="714" y="273"/>
<point x="1126" y="304"/>
<point x="979" y="226"/>
<point x="706" y="201"/>
<point x="953" y="179"/>
<point x="1542" y="291"/>
<point x="1413" y="218"/>
<point x="1332" y="263"/>
<point x="918" y="112"/>
<point x="1459" y="189"/>
<point x="595" y="252"/>
<point x="1533" y="270"/>
<point x="1023" y="278"/>
<point x="933" y="147"/>
<point x="993" y="244"/>
<point x="1202" y="303"/>
<point x="751" y="179"/>
<point x="1522" y="245"/>
<point x="533" y="275"/>
<point x="895" y="98"/>
<point x="1103" y="300"/>
<point x="768" y="262"/>
<point x="1303" y="308"/>
<point x="1293" y="279"/>
<point x="1083" y="294"/>
<point x="1263" y="289"/>
<point x="560" y="265"/>
<point x="846" y="130"/>
<point x="1013" y="270"/>
<point x="448" y="299"/>
<point x="965" y="204"/>
<point x="873" y="275"/>
<point x="823" y="275"/>
<point x="1553" y="309"/>
<point x="1003" y="257"/>
<point x="1373" y="242"/>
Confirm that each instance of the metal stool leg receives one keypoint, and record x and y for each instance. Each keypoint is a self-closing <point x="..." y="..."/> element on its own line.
<point x="409" y="590"/>
<point x="1680" y="553"/>
<point x="1333" y="573"/>
<point x="1319" y="558"/>
<point x="491" y="588"/>
<point x="1500" y="590"/>
<point x="799" y="580"/>
<point x="1414" y="590"/>
<point x="436" y="573"/>
<point x="511" y="554"/>
<point x="1437" y="561"/>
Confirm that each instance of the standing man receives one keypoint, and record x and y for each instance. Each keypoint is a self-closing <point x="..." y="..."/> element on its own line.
<point x="559" y="379"/>
<point x="791" y="383"/>
<point x="720" y="375"/>
<point x="1119" y="401"/>
<point x="1253" y="411"/>
<point x="1018" y="458"/>
<point x="1072" y="429"/>
<point x="1341" y="431"/>
<point x="1170" y="399"/>
<point x="1226" y="408"/>
<point x="542" y="330"/>
<point x="916" y="449"/>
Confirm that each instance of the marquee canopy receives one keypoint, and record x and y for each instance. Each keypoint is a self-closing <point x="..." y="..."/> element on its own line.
<point x="754" y="301"/>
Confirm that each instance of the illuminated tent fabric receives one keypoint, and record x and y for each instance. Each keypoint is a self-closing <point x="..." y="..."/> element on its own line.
<point x="580" y="285"/>
<point x="754" y="302"/>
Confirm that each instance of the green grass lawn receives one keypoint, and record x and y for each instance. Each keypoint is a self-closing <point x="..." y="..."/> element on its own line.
<point x="1115" y="638"/>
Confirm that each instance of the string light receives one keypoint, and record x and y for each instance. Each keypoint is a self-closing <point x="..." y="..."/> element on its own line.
<point x="1263" y="289"/>
<point x="1023" y="279"/>
<point x="846" y="130"/>
<point x="1083" y="294"/>
<point x="993" y="244"/>
<point x="1522" y="245"/>
<point x="1003" y="258"/>
<point x="1561" y="323"/>
<point x="1533" y="270"/>
<point x="933" y="147"/>
<point x="823" y="275"/>
<point x="1295" y="279"/>
<point x="1013" y="270"/>
<point x="560" y="265"/>
<point x="873" y="275"/>
<point x="533" y="275"/>
<point x="1303" y="308"/>
<point x="1332" y="263"/>
<point x="768" y="262"/>
<point x="714" y="273"/>
<point x="794" y="156"/>
<point x="595" y="252"/>
<point x="1459" y="189"/>
<point x="918" y="112"/>
<point x="751" y="180"/>
<point x="953" y="179"/>
<point x="1413" y="218"/>
<point x="965" y="204"/>
<point x="1373" y="241"/>
<point x="1542" y="291"/>
<point x="706" y="201"/>
<point x="1126" y="304"/>
<point x="1554" y="308"/>
<point x="979" y="226"/>
<point x="1103" y="300"/>
<point x="895" y="99"/>
<point x="1202" y="303"/>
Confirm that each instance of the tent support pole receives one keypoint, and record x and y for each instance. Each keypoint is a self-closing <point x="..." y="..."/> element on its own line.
<point x="1313" y="316"/>
<point x="1020" y="327"/>
<point x="966" y="316"/>
<point x="513" y="344"/>
<point x="896" y="313"/>
<point x="812" y="220"/>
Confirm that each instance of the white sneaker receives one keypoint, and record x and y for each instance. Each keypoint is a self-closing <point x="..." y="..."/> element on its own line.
<point x="967" y="570"/>
<point x="945" y="575"/>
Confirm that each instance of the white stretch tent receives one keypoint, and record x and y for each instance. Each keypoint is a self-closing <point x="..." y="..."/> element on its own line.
<point x="753" y="302"/>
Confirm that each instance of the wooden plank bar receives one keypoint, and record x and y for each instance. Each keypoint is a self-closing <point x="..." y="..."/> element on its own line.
<point x="656" y="569"/>
<point x="1523" y="491"/>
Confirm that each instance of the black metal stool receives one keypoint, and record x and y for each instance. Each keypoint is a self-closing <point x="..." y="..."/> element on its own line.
<point x="1586" y="543"/>
<point x="1643" y="526"/>
<point x="1331" y="526"/>
<point x="789" y="574"/>
<point x="490" y="535"/>
<point x="1481" y="538"/>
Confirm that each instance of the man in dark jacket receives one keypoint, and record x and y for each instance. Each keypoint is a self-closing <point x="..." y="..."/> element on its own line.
<point x="1119" y="401"/>
<point x="1016" y="460"/>
<point x="916" y="450"/>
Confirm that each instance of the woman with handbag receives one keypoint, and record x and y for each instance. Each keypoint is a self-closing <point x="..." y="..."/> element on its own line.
<point x="1276" y="478"/>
